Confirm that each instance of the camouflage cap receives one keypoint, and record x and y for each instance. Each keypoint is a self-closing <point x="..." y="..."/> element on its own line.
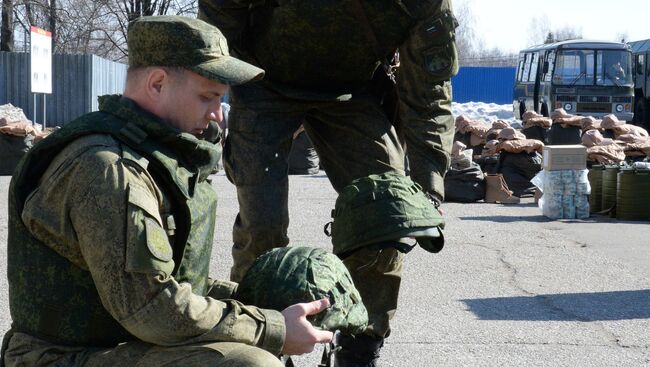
<point x="188" y="43"/>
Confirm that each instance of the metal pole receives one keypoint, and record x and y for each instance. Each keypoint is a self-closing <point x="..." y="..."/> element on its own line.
<point x="34" y="114"/>
<point x="44" y="110"/>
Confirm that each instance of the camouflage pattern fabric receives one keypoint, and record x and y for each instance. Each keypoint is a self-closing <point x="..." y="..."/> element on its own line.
<point x="286" y="276"/>
<point x="381" y="208"/>
<point x="342" y="115"/>
<point x="26" y="350"/>
<point x="188" y="43"/>
<point x="150" y="272"/>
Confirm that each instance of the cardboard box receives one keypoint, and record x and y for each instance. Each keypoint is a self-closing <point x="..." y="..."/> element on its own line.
<point x="560" y="157"/>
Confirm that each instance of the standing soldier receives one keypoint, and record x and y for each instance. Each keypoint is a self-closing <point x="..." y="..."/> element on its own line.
<point x="328" y="66"/>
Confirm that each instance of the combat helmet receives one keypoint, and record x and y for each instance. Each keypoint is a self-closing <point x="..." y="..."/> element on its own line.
<point x="384" y="210"/>
<point x="285" y="276"/>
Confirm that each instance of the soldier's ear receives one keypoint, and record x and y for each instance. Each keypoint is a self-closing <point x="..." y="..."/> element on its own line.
<point x="156" y="80"/>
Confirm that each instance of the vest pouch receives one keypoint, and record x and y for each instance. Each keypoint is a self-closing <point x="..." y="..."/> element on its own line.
<point x="148" y="249"/>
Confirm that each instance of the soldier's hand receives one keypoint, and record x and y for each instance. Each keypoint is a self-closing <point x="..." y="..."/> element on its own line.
<point x="301" y="335"/>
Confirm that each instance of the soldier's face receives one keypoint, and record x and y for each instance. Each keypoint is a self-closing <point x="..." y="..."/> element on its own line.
<point x="191" y="101"/>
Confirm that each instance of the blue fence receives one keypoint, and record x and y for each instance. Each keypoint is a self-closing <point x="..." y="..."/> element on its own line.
<point x="484" y="84"/>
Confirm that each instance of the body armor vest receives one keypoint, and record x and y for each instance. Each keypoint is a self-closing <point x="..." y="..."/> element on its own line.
<point x="55" y="300"/>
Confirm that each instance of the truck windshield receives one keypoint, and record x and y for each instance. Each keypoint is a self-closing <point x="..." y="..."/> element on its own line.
<point x="614" y="68"/>
<point x="577" y="67"/>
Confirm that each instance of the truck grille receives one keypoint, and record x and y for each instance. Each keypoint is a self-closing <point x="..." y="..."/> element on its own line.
<point x="561" y="98"/>
<point x="626" y="99"/>
<point x="594" y="99"/>
<point x="594" y="107"/>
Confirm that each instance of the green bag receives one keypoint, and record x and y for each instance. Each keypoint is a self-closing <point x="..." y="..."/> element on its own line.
<point x="384" y="210"/>
<point x="289" y="275"/>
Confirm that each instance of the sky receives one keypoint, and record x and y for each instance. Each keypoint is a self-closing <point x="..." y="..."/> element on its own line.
<point x="505" y="24"/>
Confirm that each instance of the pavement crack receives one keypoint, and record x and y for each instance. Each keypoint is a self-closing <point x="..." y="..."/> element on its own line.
<point x="547" y="301"/>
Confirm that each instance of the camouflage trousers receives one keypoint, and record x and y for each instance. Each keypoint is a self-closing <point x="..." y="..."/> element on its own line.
<point x="27" y="351"/>
<point x="353" y="139"/>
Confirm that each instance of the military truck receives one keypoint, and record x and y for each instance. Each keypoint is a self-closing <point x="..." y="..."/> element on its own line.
<point x="641" y="54"/>
<point x="591" y="78"/>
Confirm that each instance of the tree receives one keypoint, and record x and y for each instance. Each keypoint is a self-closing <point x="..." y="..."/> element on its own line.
<point x="466" y="39"/>
<point x="539" y="31"/>
<point x="621" y="37"/>
<point x="79" y="26"/>
<point x="118" y="13"/>
<point x="550" y="38"/>
<point x="567" y="33"/>
<point x="6" y="26"/>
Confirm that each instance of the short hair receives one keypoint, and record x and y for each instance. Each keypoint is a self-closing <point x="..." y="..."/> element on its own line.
<point x="134" y="73"/>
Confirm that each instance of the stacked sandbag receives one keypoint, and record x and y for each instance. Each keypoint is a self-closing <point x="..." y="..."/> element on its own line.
<point x="471" y="132"/>
<point x="16" y="137"/>
<point x="489" y="157"/>
<point x="536" y="126"/>
<point x="591" y="138"/>
<point x="560" y="116"/>
<point x="643" y="147"/>
<point x="521" y="146"/>
<point x="11" y="115"/>
<point x="464" y="181"/>
<point x="510" y="134"/>
<point x="590" y="123"/>
<point x="532" y="118"/>
<point x="520" y="160"/>
<point x="635" y="147"/>
<point x="611" y="122"/>
<point x="606" y="154"/>
<point x="566" y="128"/>
<point x="630" y="138"/>
<point x="496" y="128"/>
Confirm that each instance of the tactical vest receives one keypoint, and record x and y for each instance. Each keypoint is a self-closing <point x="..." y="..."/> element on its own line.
<point x="326" y="45"/>
<point x="55" y="300"/>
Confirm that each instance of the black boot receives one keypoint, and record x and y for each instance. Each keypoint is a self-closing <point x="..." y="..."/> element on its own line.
<point x="357" y="351"/>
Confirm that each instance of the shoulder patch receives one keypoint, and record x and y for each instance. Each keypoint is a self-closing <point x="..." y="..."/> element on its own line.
<point x="157" y="241"/>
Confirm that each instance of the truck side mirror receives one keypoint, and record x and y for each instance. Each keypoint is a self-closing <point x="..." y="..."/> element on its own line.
<point x="545" y="67"/>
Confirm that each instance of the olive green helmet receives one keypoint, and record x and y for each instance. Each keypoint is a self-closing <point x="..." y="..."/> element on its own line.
<point x="385" y="209"/>
<point x="289" y="275"/>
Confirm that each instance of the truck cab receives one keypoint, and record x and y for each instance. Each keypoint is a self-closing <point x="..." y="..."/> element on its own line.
<point x="590" y="78"/>
<point x="641" y="62"/>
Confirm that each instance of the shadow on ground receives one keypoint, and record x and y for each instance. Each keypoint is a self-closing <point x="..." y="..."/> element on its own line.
<point x="602" y="306"/>
<point x="509" y="218"/>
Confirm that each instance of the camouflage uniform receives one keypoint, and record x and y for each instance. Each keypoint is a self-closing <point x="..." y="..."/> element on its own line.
<point x="100" y="205"/>
<point x="111" y="224"/>
<point x="319" y="61"/>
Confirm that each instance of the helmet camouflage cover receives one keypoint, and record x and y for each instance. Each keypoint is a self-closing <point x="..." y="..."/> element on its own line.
<point x="386" y="207"/>
<point x="285" y="276"/>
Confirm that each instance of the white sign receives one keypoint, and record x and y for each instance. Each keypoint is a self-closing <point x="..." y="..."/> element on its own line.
<point x="41" y="60"/>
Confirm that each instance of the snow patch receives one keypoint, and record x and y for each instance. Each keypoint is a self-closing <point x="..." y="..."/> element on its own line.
<point x="486" y="112"/>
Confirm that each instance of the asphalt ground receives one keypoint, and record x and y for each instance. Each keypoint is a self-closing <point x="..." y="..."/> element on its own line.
<point x="510" y="288"/>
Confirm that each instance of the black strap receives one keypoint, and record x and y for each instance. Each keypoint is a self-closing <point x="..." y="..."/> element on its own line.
<point x="398" y="245"/>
